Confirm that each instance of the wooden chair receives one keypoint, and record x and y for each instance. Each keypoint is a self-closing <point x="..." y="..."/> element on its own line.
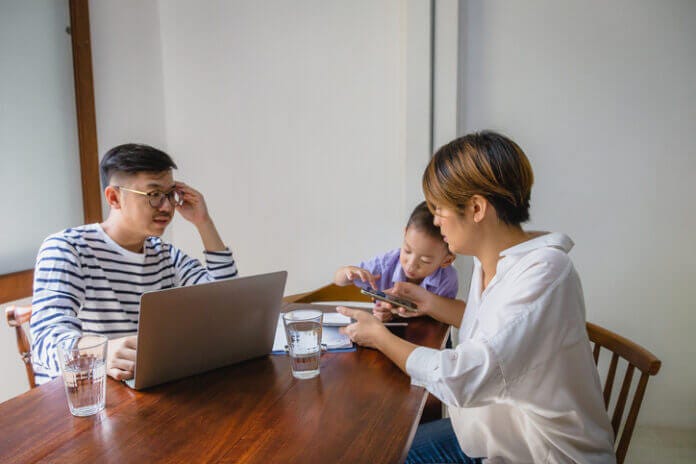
<point x="16" y="316"/>
<point x="433" y="407"/>
<point x="636" y="357"/>
<point x="331" y="292"/>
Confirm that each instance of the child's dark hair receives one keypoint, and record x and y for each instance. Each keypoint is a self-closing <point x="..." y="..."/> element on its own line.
<point x="422" y="219"/>
<point x="132" y="158"/>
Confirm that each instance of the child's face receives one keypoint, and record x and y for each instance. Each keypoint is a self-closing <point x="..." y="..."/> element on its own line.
<point x="421" y="255"/>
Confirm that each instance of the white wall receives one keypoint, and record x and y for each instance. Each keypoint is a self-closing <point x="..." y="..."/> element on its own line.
<point x="291" y="117"/>
<point x="601" y="96"/>
<point x="127" y="67"/>
<point x="446" y="107"/>
<point x="39" y="158"/>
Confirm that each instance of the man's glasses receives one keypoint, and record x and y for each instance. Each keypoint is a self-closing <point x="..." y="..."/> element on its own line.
<point x="156" y="198"/>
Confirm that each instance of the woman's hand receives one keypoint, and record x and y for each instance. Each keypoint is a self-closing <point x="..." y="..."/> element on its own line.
<point x="422" y="298"/>
<point x="383" y="311"/>
<point x="366" y="331"/>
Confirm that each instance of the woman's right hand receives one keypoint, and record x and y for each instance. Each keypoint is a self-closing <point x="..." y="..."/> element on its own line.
<point x="423" y="299"/>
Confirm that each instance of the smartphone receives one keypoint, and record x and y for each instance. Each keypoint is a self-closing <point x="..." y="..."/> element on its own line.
<point x="394" y="301"/>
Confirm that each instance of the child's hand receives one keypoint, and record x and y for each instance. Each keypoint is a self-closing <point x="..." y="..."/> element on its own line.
<point x="353" y="273"/>
<point x="382" y="311"/>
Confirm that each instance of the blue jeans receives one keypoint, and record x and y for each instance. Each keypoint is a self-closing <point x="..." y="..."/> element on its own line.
<point x="435" y="442"/>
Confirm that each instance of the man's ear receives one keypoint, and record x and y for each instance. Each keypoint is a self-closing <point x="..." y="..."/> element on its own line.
<point x="113" y="198"/>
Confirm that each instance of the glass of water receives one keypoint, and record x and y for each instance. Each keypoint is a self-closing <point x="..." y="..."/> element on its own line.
<point x="303" y="332"/>
<point x="83" y="365"/>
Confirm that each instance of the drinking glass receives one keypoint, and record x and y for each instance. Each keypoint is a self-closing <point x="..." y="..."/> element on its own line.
<point x="303" y="332"/>
<point x="83" y="365"/>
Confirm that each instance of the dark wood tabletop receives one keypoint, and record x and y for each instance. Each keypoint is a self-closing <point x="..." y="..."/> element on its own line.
<point x="361" y="409"/>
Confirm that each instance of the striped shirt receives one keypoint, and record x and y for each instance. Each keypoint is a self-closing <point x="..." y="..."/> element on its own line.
<point x="85" y="283"/>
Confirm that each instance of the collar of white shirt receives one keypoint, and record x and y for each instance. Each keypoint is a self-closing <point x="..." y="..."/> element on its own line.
<point x="541" y="240"/>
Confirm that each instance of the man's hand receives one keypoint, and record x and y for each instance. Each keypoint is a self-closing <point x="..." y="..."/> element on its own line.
<point x="120" y="363"/>
<point x="366" y="331"/>
<point x="194" y="210"/>
<point x="193" y="207"/>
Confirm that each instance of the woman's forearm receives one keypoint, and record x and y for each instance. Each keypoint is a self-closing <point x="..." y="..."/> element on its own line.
<point x="397" y="349"/>
<point x="447" y="310"/>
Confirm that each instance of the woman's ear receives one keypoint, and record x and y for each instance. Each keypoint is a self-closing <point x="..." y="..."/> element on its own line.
<point x="112" y="197"/>
<point x="479" y="206"/>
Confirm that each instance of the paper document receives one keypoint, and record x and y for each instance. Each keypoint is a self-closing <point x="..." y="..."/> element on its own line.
<point x="336" y="320"/>
<point x="329" y="337"/>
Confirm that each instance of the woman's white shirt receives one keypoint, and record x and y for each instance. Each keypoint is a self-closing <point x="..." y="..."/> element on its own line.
<point x="522" y="385"/>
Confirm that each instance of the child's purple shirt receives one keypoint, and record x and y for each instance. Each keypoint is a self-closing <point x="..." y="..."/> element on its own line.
<point x="443" y="281"/>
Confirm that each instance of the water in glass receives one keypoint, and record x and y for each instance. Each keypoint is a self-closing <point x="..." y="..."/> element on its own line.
<point x="85" y="385"/>
<point x="303" y="330"/>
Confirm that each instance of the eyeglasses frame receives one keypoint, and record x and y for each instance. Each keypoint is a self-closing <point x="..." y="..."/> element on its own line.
<point x="168" y="195"/>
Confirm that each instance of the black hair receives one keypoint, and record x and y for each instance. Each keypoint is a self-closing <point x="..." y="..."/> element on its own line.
<point x="423" y="220"/>
<point x="132" y="158"/>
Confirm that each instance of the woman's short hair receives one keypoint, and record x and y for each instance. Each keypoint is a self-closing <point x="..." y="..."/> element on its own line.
<point x="482" y="163"/>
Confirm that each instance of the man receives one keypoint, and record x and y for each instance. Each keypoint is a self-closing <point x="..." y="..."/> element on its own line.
<point x="89" y="279"/>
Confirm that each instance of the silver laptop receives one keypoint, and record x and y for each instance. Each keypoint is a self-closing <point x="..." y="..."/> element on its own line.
<point x="187" y="330"/>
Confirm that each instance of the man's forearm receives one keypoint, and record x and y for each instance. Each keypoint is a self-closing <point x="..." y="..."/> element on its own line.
<point x="210" y="236"/>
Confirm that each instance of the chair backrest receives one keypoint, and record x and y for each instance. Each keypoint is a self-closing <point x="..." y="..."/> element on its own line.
<point x="636" y="357"/>
<point x="331" y="292"/>
<point x="16" y="316"/>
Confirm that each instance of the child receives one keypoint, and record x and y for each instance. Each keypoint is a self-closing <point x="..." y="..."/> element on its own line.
<point x="424" y="259"/>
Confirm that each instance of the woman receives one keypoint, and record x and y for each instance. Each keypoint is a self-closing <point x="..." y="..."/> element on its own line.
<point x="521" y="384"/>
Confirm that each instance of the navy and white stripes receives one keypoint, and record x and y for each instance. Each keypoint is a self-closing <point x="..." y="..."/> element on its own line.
<point x="86" y="283"/>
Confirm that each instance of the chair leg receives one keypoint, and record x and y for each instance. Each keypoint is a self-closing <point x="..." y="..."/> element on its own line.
<point x="432" y="410"/>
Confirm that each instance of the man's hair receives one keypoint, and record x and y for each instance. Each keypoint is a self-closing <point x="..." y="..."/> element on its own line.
<point x="482" y="163"/>
<point x="422" y="219"/>
<point x="133" y="158"/>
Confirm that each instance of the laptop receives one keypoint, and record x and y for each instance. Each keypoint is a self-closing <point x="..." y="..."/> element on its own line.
<point x="188" y="330"/>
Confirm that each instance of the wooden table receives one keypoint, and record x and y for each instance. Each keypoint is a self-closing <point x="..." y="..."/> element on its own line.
<point x="361" y="409"/>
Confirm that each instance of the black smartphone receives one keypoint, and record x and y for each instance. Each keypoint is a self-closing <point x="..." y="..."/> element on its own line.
<point x="394" y="301"/>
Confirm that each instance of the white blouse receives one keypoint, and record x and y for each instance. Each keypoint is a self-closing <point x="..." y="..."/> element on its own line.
<point x="522" y="386"/>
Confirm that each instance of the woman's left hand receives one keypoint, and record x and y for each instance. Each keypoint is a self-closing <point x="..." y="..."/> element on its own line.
<point x="383" y="311"/>
<point x="366" y="331"/>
